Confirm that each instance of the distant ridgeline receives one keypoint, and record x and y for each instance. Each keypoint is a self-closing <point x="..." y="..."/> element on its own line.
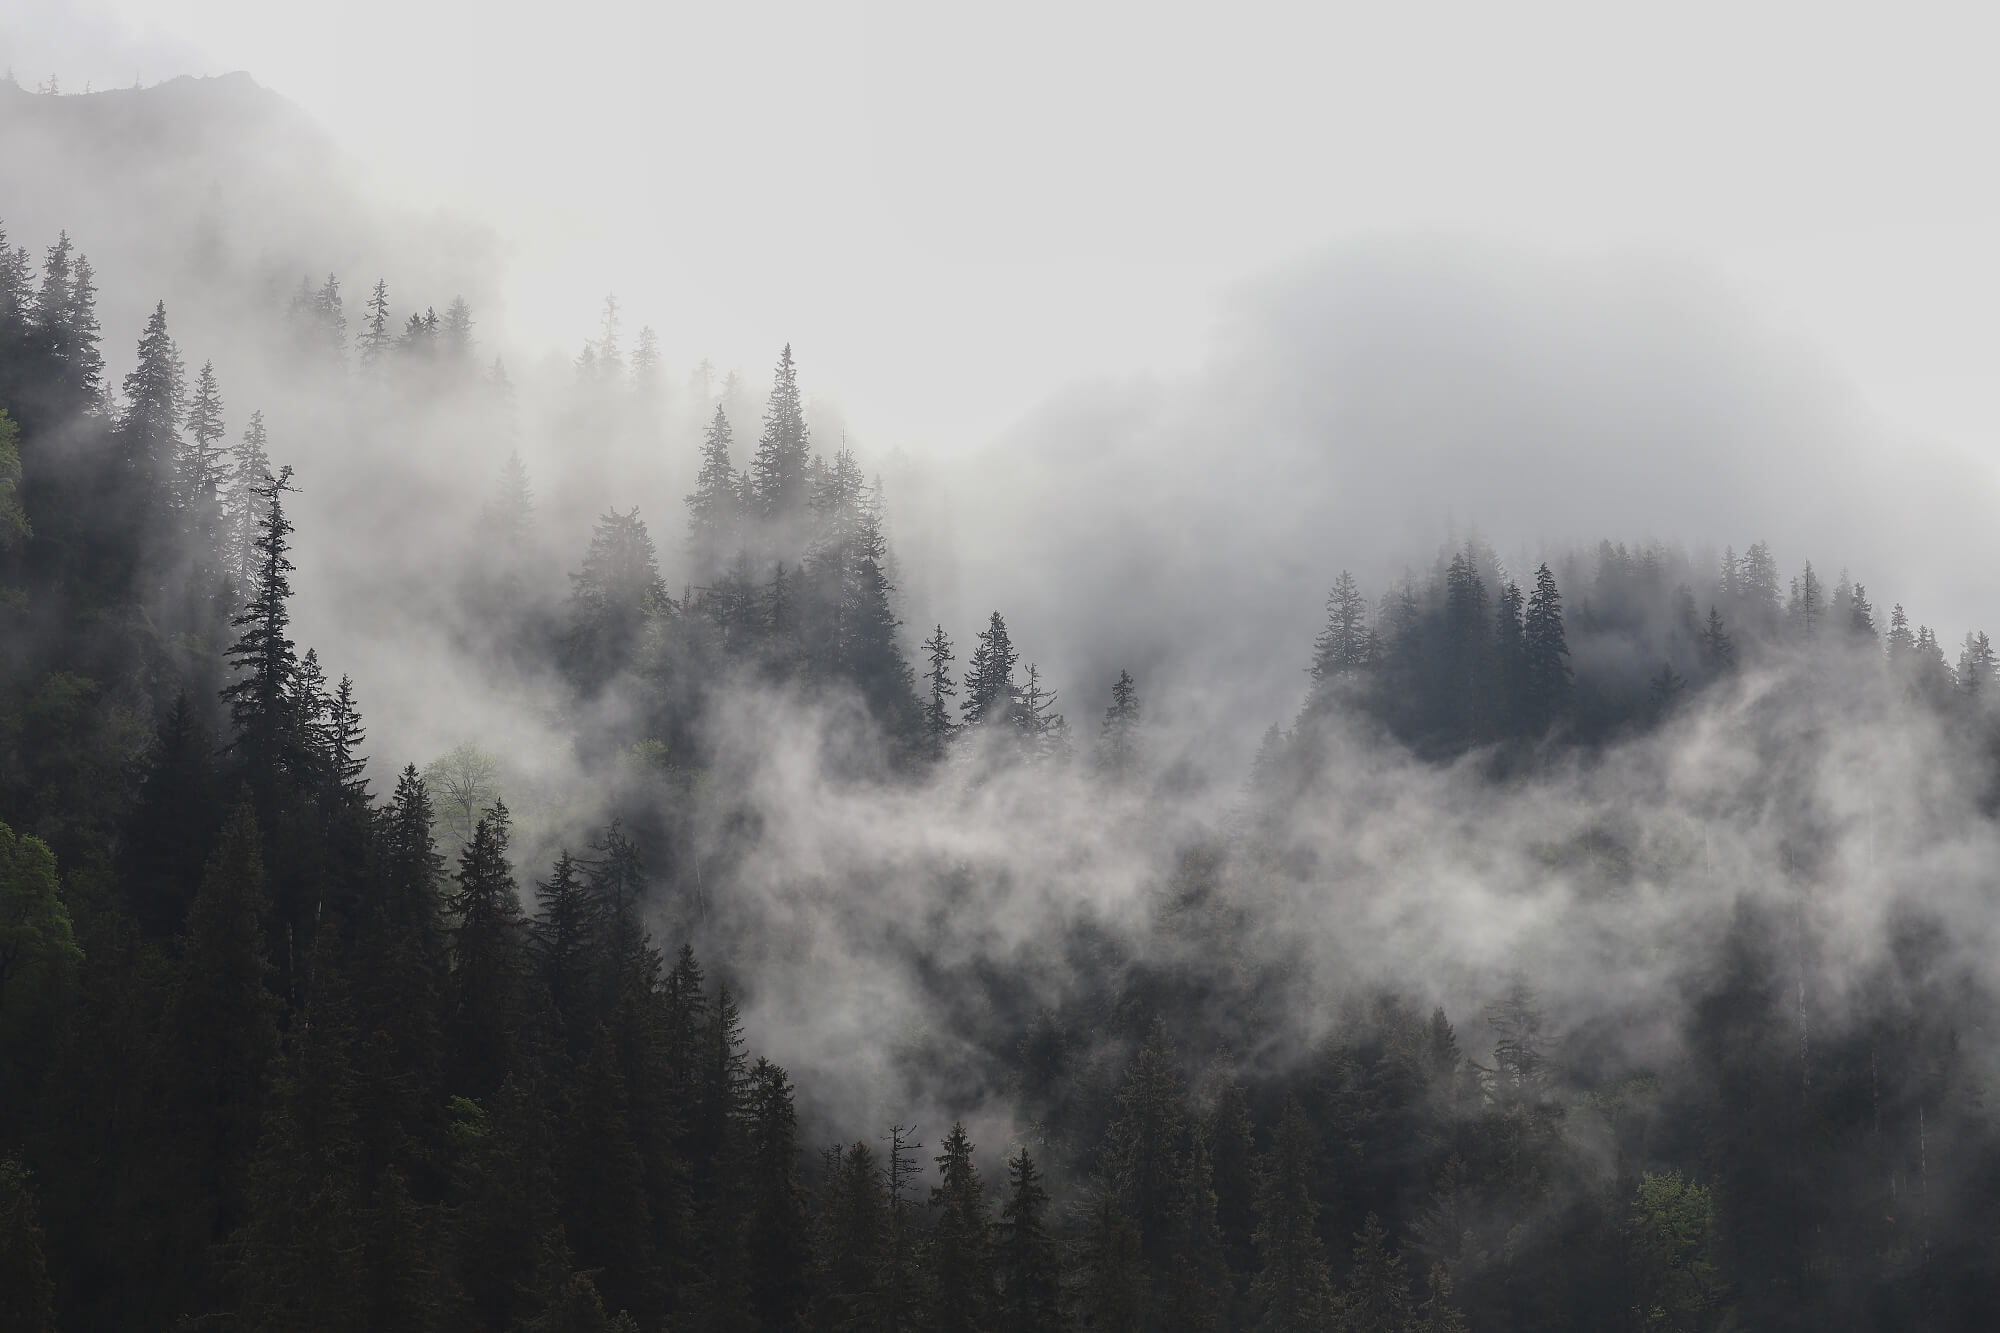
<point x="280" y="1051"/>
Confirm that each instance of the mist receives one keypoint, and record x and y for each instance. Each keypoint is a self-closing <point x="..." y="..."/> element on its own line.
<point x="1726" y="846"/>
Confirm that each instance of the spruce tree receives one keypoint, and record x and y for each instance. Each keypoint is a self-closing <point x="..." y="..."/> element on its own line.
<point x="990" y="694"/>
<point x="1900" y="644"/>
<point x="1376" y="1296"/>
<point x="262" y="700"/>
<point x="565" y="940"/>
<point x="243" y="509"/>
<point x="1718" y="650"/>
<point x="961" y="1252"/>
<point x="221" y="1038"/>
<point x="1293" y="1291"/>
<point x="1145" y="1144"/>
<point x="1118" y="738"/>
<point x="940" y="689"/>
<point x="1346" y="648"/>
<point x="778" y="1242"/>
<point x="713" y="517"/>
<point x="148" y="433"/>
<point x="1026" y="1255"/>
<point x="782" y="451"/>
<point x="484" y="1007"/>
<point x="1860" y="616"/>
<point x="612" y="599"/>
<point x="1545" y="672"/>
<point x="376" y="339"/>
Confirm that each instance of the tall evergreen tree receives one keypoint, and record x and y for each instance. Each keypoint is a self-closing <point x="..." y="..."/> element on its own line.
<point x="1028" y="1260"/>
<point x="779" y="1240"/>
<point x="1545" y="668"/>
<point x="961" y="1253"/>
<point x="939" y="689"/>
<point x="483" y="1012"/>
<point x="713" y="506"/>
<point x="1118" y="739"/>
<point x="262" y="699"/>
<point x="376" y="338"/>
<point x="990" y="694"/>
<point x="1293" y="1290"/>
<point x="221" y="1037"/>
<point x="1376" y="1297"/>
<point x="782" y="451"/>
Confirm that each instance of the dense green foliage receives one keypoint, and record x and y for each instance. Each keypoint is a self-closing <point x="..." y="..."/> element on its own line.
<point x="278" y="1051"/>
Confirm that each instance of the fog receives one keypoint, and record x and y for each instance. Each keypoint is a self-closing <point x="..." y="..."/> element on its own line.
<point x="1166" y="484"/>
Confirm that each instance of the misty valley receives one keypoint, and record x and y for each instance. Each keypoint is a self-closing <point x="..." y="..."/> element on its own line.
<point x="439" y="891"/>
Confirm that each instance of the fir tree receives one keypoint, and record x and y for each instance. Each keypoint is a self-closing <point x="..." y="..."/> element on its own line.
<point x="484" y="1006"/>
<point x="1718" y="650"/>
<point x="1029" y="1263"/>
<point x="376" y="339"/>
<point x="990" y="695"/>
<point x="1293" y="1291"/>
<point x="222" y="1037"/>
<point x="148" y="431"/>
<point x="713" y="527"/>
<point x="1376" y="1297"/>
<point x="780" y="465"/>
<point x="938" y="725"/>
<point x="1545" y="668"/>
<point x="262" y="701"/>
<point x="779" y="1242"/>
<point x="1346" y="648"/>
<point x="961" y="1254"/>
<point x="1118" y="739"/>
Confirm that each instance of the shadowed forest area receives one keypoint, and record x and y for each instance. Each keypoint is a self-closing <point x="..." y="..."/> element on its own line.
<point x="1600" y="945"/>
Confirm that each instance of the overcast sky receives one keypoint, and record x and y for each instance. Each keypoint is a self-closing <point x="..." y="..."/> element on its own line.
<point x="953" y="209"/>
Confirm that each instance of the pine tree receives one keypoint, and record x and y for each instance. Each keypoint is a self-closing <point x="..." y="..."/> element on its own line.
<point x="1808" y="605"/>
<point x="713" y="517"/>
<point x="243" y="509"/>
<point x="1901" y="644"/>
<point x="938" y="726"/>
<point x="779" y="1241"/>
<point x="1976" y="667"/>
<point x="784" y="447"/>
<point x="1545" y="655"/>
<point x="1116" y="1296"/>
<point x="1143" y="1149"/>
<point x="990" y="695"/>
<point x="81" y="338"/>
<point x="455" y="334"/>
<point x="961" y="1258"/>
<point x="565" y="937"/>
<point x="329" y="322"/>
<point x="1376" y="1297"/>
<point x="221" y="1037"/>
<point x="262" y="702"/>
<point x="1118" y="739"/>
<point x="612" y="599"/>
<point x="1346" y="649"/>
<point x="646" y="365"/>
<point x="1293" y="1291"/>
<point x="1044" y="732"/>
<point x="376" y="339"/>
<point x="203" y="476"/>
<point x="1197" y="1282"/>
<point x="1718" y="650"/>
<point x="1029" y="1263"/>
<point x="1861" y="616"/>
<point x="853" y="1248"/>
<point x="484" y="1007"/>
<point x="149" y="430"/>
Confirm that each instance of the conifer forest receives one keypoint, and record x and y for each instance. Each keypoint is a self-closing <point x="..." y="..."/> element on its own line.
<point x="1602" y="938"/>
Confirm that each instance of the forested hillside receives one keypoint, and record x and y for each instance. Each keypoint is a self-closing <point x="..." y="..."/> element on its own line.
<point x="1606" y="944"/>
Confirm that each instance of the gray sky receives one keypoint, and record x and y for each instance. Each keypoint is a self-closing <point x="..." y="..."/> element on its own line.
<point x="956" y="209"/>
